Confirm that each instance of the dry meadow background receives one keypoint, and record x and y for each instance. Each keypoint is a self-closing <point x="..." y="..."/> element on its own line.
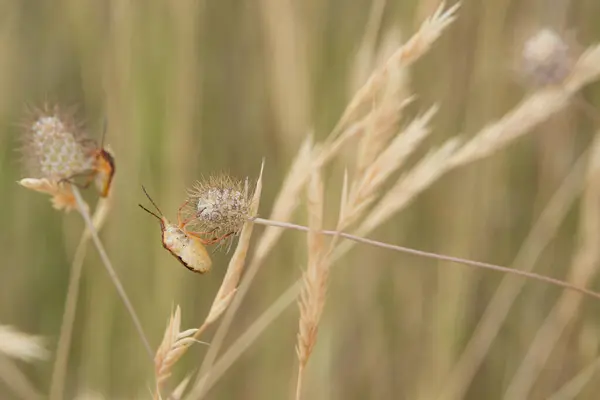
<point x="194" y="87"/>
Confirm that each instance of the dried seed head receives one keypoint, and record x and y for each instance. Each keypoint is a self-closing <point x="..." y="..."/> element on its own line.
<point x="55" y="148"/>
<point x="546" y="59"/>
<point x="220" y="205"/>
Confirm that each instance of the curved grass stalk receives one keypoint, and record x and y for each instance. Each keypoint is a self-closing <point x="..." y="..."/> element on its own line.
<point x="81" y="207"/>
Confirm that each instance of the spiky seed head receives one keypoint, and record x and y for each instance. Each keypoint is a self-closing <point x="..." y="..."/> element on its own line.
<point x="220" y="204"/>
<point x="546" y="59"/>
<point x="55" y="148"/>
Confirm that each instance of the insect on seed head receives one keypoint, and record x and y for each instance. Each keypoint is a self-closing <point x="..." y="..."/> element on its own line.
<point x="188" y="249"/>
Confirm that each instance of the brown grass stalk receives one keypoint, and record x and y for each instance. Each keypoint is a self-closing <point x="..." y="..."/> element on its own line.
<point x="583" y="270"/>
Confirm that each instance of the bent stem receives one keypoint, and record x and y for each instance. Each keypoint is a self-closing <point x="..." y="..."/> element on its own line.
<point x="57" y="382"/>
<point x="426" y="254"/>
<point x="81" y="206"/>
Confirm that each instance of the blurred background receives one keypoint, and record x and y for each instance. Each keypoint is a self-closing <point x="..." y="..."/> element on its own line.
<point x="189" y="88"/>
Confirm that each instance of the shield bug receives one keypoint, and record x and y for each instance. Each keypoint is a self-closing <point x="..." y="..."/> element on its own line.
<point x="103" y="166"/>
<point x="103" y="170"/>
<point x="187" y="247"/>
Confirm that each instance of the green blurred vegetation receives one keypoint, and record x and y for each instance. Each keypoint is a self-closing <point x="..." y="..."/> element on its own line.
<point x="194" y="87"/>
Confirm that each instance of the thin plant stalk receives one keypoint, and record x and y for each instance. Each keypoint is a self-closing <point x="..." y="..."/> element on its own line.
<point x="111" y="271"/>
<point x="441" y="257"/>
<point x="575" y="386"/>
<point x="16" y="380"/>
<point x="57" y="382"/>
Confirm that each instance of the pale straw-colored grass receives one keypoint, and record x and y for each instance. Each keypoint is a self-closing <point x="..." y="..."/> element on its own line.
<point x="16" y="381"/>
<point x="16" y="345"/>
<point x="575" y="386"/>
<point x="21" y="346"/>
<point x="367" y="185"/>
<point x="493" y="138"/>
<point x="314" y="289"/>
<point x="583" y="269"/>
<point x="538" y="239"/>
<point x="59" y="370"/>
<point x="173" y="346"/>
<point x="222" y="300"/>
<point x="284" y="206"/>
<point x="412" y="50"/>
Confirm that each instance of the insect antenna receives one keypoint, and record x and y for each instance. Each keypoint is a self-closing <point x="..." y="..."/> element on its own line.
<point x="153" y="203"/>
<point x="149" y="212"/>
<point x="104" y="129"/>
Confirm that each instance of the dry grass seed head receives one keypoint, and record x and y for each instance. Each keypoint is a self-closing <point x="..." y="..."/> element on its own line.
<point x="220" y="205"/>
<point x="546" y="59"/>
<point x="430" y="30"/>
<point x="312" y="296"/>
<point x="55" y="146"/>
<point x="172" y="347"/>
<point x="366" y="187"/>
<point x="238" y="260"/>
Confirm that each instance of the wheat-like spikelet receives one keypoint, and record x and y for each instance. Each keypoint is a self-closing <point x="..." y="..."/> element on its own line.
<point x="21" y="346"/>
<point x="583" y="269"/>
<point x="427" y="171"/>
<point x="389" y="160"/>
<point x="314" y="289"/>
<point x="172" y="347"/>
<point x="520" y="120"/>
<point x="382" y="125"/>
<point x="417" y="46"/>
